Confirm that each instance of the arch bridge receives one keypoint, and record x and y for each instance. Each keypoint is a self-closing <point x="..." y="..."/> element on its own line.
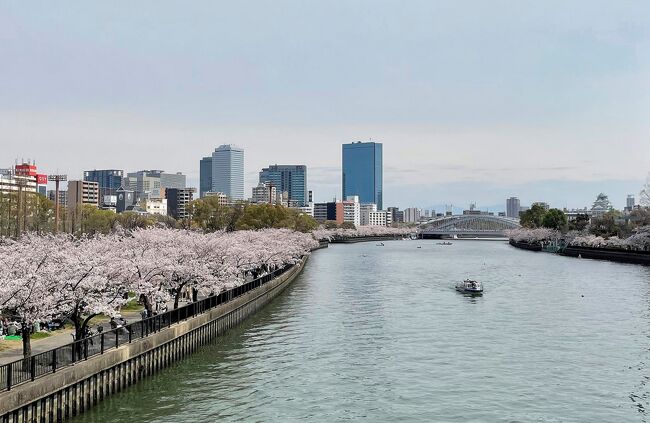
<point x="468" y="226"/>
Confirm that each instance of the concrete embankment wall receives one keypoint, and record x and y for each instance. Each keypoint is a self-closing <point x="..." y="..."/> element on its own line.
<point x="635" y="257"/>
<point x="75" y="389"/>
<point x="363" y="239"/>
<point x="525" y="245"/>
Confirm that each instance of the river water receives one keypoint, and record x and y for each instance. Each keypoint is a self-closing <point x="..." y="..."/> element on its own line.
<point x="378" y="334"/>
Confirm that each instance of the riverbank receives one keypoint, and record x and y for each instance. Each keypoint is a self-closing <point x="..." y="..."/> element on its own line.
<point x="635" y="257"/>
<point x="122" y="361"/>
<point x="354" y="240"/>
<point x="609" y="254"/>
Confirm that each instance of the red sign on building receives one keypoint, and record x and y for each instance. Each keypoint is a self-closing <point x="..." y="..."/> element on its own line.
<point x="25" y="170"/>
<point x="41" y="179"/>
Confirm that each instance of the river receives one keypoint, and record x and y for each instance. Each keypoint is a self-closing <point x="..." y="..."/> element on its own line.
<point x="378" y="334"/>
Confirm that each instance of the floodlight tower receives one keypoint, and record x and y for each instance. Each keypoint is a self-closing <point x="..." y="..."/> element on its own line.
<point x="57" y="179"/>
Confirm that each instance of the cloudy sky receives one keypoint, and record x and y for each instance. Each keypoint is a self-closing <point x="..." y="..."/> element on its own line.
<point x="473" y="100"/>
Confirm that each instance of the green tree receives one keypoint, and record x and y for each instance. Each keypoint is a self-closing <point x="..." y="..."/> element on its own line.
<point x="580" y="223"/>
<point x="130" y="220"/>
<point x="304" y="222"/>
<point x="533" y="217"/>
<point x="91" y="220"/>
<point x="209" y="215"/>
<point x="42" y="214"/>
<point x="554" y="219"/>
<point x="606" y="225"/>
<point x="259" y="216"/>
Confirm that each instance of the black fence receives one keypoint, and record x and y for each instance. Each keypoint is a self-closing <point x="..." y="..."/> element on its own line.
<point x="29" y="369"/>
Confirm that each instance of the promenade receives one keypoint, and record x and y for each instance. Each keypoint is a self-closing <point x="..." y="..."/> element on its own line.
<point x="61" y="337"/>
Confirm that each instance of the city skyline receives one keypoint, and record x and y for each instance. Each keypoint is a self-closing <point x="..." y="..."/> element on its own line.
<point x="466" y="109"/>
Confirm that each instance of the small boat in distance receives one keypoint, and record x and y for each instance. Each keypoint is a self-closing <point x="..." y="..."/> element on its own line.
<point x="469" y="286"/>
<point x="381" y="244"/>
<point x="444" y="243"/>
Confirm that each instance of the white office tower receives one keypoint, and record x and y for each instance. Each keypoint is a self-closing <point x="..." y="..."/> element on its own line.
<point x="228" y="171"/>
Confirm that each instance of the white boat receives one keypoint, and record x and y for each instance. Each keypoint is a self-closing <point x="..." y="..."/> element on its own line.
<point x="469" y="286"/>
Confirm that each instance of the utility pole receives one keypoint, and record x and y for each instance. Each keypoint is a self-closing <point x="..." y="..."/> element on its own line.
<point x="57" y="179"/>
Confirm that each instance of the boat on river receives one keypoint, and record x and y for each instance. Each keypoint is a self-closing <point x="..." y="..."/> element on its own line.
<point x="444" y="243"/>
<point x="469" y="286"/>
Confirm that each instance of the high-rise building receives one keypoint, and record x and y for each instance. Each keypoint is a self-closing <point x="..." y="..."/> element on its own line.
<point x="629" y="203"/>
<point x="513" y="207"/>
<point x="328" y="211"/>
<point x="153" y="183"/>
<point x="352" y="210"/>
<point x="365" y="209"/>
<point x="178" y="200"/>
<point x="63" y="197"/>
<point x="363" y="172"/>
<point x="412" y="215"/>
<point x="109" y="181"/>
<point x="228" y="171"/>
<point x="22" y="178"/>
<point x="288" y="178"/>
<point x="397" y="215"/>
<point x="82" y="193"/>
<point x="205" y="176"/>
<point x="376" y="218"/>
<point x="264" y="193"/>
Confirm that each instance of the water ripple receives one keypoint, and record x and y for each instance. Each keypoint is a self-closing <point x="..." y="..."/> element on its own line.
<point x="380" y="335"/>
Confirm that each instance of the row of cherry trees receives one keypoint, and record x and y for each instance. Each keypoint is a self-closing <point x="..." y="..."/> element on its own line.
<point x="46" y="277"/>
<point x="360" y="232"/>
<point x="638" y="241"/>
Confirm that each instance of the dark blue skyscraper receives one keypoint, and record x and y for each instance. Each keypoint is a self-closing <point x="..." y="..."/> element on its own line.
<point x="289" y="178"/>
<point x="363" y="172"/>
<point x="205" y="176"/>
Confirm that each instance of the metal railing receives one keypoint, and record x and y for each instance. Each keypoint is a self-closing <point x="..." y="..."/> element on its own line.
<point x="30" y="368"/>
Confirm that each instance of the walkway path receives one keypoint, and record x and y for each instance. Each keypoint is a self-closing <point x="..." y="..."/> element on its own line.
<point x="62" y="337"/>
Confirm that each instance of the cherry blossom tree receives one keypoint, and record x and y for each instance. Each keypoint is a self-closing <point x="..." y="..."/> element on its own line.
<point x="362" y="231"/>
<point x="92" y="280"/>
<point x="42" y="277"/>
<point x="146" y="264"/>
<point x="532" y="236"/>
<point x="27" y="294"/>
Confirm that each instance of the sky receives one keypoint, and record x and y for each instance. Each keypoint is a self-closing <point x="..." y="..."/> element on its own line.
<point x="473" y="100"/>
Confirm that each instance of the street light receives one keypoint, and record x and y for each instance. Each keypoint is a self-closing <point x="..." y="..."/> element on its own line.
<point x="57" y="179"/>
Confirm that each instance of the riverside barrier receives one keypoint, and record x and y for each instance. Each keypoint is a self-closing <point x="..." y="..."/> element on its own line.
<point x="353" y="240"/>
<point x="610" y="254"/>
<point x="622" y="256"/>
<point x="64" y="382"/>
<point x="525" y="245"/>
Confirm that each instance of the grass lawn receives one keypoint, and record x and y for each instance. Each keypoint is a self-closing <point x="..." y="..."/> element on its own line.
<point x="41" y="335"/>
<point x="132" y="306"/>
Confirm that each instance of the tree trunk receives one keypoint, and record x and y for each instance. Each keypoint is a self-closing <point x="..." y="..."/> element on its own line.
<point x="147" y="304"/>
<point x="27" y="344"/>
<point x="177" y="297"/>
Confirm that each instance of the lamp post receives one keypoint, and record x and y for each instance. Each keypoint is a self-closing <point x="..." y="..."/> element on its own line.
<point x="57" y="179"/>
